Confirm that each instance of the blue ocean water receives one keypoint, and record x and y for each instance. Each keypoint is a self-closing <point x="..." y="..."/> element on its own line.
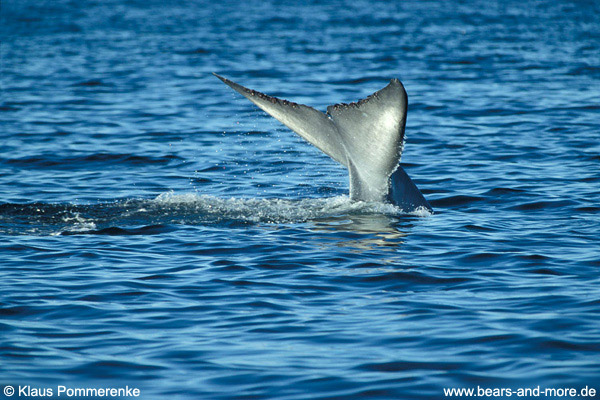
<point x="158" y="231"/>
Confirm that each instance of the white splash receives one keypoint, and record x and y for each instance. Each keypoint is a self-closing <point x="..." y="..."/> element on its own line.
<point x="272" y="210"/>
<point x="78" y="223"/>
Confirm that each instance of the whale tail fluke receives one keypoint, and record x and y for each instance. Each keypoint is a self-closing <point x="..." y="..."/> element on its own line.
<point x="310" y="124"/>
<point x="405" y="194"/>
<point x="367" y="137"/>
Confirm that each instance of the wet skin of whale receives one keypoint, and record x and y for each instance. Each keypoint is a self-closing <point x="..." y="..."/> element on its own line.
<point x="367" y="137"/>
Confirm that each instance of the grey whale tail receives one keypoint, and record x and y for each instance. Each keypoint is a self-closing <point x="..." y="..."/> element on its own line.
<point x="367" y="137"/>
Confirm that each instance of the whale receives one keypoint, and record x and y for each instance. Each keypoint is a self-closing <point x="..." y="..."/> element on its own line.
<point x="366" y="137"/>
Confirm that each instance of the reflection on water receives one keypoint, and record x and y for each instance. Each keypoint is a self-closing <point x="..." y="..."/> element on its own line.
<point x="366" y="231"/>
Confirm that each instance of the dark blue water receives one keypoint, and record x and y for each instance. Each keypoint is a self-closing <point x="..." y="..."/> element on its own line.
<point x="158" y="231"/>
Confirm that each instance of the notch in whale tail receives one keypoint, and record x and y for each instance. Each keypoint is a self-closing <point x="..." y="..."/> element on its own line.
<point x="366" y="137"/>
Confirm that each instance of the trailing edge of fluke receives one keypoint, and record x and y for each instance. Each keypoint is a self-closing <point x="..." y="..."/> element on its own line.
<point x="367" y="137"/>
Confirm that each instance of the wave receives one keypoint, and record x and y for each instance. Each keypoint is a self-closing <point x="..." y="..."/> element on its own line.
<point x="154" y="216"/>
<point x="84" y="160"/>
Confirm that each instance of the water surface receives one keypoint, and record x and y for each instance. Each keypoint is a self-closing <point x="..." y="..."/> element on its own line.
<point x="158" y="231"/>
